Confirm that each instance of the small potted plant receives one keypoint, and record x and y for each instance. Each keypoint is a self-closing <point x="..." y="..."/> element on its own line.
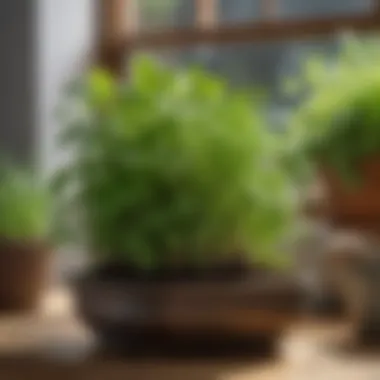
<point x="25" y="220"/>
<point x="337" y="126"/>
<point x="183" y="203"/>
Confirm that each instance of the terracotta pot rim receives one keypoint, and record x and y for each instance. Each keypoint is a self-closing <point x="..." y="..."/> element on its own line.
<point x="26" y="244"/>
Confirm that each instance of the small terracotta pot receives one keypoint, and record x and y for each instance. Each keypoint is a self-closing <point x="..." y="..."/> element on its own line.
<point x="354" y="206"/>
<point x="23" y="275"/>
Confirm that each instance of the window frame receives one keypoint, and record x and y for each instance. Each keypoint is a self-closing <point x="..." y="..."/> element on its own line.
<point x="116" y="41"/>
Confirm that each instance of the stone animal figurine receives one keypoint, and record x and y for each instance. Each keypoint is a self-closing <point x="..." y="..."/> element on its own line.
<point x="354" y="268"/>
<point x="311" y="249"/>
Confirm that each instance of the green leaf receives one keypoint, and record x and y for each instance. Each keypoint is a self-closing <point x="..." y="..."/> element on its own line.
<point x="179" y="170"/>
<point x="338" y="119"/>
<point x="101" y="86"/>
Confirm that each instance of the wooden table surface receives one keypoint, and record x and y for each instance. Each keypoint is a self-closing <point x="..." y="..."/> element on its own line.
<point x="52" y="344"/>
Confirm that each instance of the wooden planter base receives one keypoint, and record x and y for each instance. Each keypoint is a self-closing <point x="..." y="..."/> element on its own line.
<point x="190" y="317"/>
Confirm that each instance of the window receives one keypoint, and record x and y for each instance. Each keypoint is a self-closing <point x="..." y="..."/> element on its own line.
<point x="262" y="65"/>
<point x="131" y="24"/>
<point x="255" y="10"/>
<point x="161" y="14"/>
<point x="249" y="42"/>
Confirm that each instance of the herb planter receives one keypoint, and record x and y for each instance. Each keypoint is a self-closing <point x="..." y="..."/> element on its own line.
<point x="191" y="312"/>
<point x="139" y="206"/>
<point x="357" y="206"/>
<point x="23" y="275"/>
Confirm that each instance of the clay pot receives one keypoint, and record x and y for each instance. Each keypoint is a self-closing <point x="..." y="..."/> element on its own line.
<point x="354" y="206"/>
<point x="198" y="313"/>
<point x="23" y="275"/>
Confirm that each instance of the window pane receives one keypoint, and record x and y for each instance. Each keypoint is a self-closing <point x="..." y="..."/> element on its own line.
<point x="263" y="65"/>
<point x="232" y="11"/>
<point x="155" y="14"/>
<point x="302" y="8"/>
<point x="239" y="10"/>
<point x="164" y="14"/>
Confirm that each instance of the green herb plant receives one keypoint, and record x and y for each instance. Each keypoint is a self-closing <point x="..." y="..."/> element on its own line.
<point x="25" y="207"/>
<point x="173" y="168"/>
<point x="338" y="121"/>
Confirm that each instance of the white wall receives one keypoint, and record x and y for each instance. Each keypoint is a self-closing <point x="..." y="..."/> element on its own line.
<point x="65" y="39"/>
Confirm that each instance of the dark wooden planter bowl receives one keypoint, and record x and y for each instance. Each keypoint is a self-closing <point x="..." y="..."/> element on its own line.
<point x="202" y="316"/>
<point x="23" y="275"/>
<point x="354" y="206"/>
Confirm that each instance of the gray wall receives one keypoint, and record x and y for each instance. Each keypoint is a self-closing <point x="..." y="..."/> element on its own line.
<point x="17" y="68"/>
<point x="43" y="43"/>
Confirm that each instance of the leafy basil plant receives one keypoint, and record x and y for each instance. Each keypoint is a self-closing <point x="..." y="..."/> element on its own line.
<point x="173" y="168"/>
<point x="338" y="121"/>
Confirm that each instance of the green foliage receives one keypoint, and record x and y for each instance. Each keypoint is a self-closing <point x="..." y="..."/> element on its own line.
<point x="338" y="122"/>
<point x="172" y="168"/>
<point x="25" y="206"/>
